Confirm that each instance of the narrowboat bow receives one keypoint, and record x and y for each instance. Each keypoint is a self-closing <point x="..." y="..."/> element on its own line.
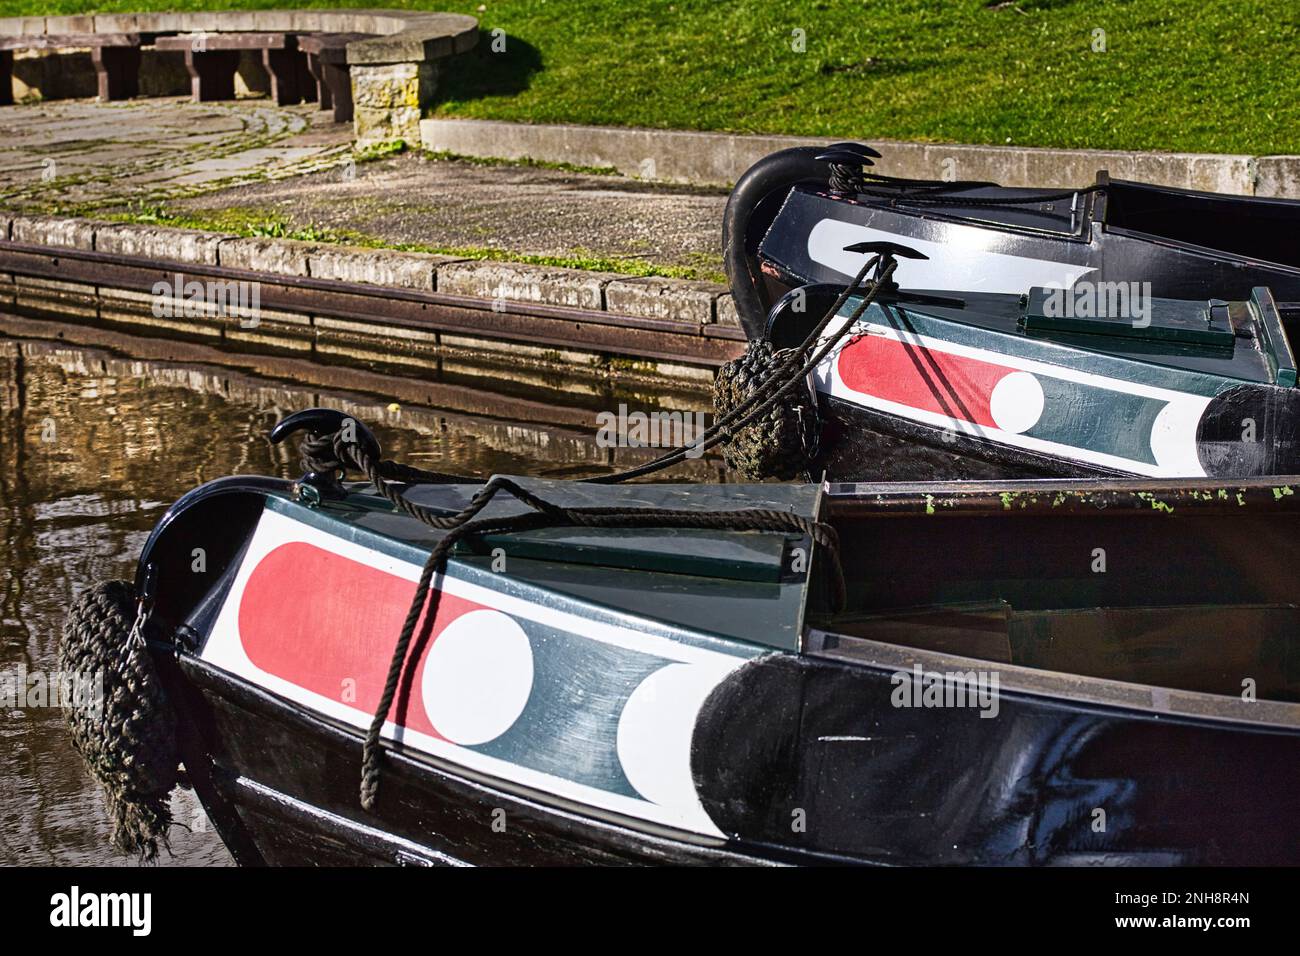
<point x="980" y="673"/>
<point x="1119" y="330"/>
<point x="792" y="214"/>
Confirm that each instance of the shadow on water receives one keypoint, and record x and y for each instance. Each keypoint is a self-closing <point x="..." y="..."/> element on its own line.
<point x="95" y="443"/>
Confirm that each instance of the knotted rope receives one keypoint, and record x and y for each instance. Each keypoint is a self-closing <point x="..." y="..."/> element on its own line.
<point x="126" y="730"/>
<point x="338" y="451"/>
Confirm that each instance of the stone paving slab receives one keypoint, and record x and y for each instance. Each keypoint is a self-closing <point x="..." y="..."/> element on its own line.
<point x="82" y="154"/>
<point x="291" y="164"/>
<point x="417" y="200"/>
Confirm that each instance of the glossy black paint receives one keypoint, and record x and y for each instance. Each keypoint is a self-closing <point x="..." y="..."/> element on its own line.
<point x="1176" y="269"/>
<point x="862" y="444"/>
<point x="1251" y="430"/>
<point x="819" y="742"/>
<point x="754" y="203"/>
<point x="804" y="757"/>
<point x="1200" y="246"/>
<point x="291" y="777"/>
<point x="216" y="517"/>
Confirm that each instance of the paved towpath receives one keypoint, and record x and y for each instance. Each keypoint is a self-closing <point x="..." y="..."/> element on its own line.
<point x="292" y="165"/>
<point x="539" y="211"/>
<point x="81" y="154"/>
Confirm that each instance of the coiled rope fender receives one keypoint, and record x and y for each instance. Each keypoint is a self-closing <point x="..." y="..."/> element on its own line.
<point x="782" y="442"/>
<point x="767" y="412"/>
<point x="127" y="734"/>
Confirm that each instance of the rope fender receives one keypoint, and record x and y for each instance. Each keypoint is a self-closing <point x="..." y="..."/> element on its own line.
<point x="127" y="734"/>
<point x="782" y="442"/>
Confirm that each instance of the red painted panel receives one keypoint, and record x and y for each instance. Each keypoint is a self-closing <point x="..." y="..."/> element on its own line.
<point x="318" y="619"/>
<point x="921" y="378"/>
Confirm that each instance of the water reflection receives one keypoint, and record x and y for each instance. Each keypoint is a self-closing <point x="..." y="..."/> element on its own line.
<point x="94" y="446"/>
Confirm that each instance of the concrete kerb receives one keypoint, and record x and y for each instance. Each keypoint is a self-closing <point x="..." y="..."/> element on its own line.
<point x="689" y="302"/>
<point x="653" y="297"/>
<point x="1278" y="176"/>
<point x="701" y="158"/>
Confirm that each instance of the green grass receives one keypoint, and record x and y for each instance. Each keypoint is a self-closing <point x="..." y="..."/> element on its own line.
<point x="1202" y="75"/>
<point x="525" y="162"/>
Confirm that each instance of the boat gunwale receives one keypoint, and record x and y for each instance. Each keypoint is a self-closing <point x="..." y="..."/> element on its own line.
<point x="1064" y="496"/>
<point x="1062" y="688"/>
<point x="1081" y="236"/>
<point x="204" y="677"/>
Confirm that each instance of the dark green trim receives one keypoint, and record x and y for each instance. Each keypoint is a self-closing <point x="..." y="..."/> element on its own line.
<point x="1171" y="320"/>
<point x="339" y="526"/>
<point x="1273" y="338"/>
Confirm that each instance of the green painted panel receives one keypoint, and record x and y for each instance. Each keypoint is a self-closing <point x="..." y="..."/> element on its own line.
<point x="1165" y="320"/>
<point x="741" y="556"/>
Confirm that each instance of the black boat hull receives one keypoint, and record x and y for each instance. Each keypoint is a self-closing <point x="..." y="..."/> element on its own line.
<point x="860" y="444"/>
<point x="799" y="761"/>
<point x="280" y="785"/>
<point x="911" y="405"/>
<point x="743" y="750"/>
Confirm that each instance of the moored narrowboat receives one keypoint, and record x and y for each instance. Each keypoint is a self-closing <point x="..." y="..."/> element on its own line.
<point x="983" y="385"/>
<point x="792" y="214"/>
<point x="1119" y="330"/>
<point x="1035" y="672"/>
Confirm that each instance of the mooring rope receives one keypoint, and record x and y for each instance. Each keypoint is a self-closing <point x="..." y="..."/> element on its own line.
<point x="546" y="514"/>
<point x="332" y="453"/>
<point x="786" y="375"/>
<point x="849" y="179"/>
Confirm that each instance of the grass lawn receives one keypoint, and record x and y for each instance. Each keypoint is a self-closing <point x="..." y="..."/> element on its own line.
<point x="1197" y="75"/>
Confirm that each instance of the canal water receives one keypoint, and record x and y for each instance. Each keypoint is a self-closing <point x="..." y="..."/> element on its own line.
<point x="96" y="440"/>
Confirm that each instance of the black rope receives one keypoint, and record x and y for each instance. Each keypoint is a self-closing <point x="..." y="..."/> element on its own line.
<point x="786" y="375"/>
<point x="852" y="179"/>
<point x="937" y="185"/>
<point x="545" y="514"/>
<point x="325" y="453"/>
<point x="336" y="452"/>
<point x="845" y="179"/>
<point x="332" y="452"/>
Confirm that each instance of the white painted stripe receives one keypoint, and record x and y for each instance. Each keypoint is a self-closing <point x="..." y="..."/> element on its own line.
<point x="1173" y="441"/>
<point x="963" y="262"/>
<point x="225" y="650"/>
